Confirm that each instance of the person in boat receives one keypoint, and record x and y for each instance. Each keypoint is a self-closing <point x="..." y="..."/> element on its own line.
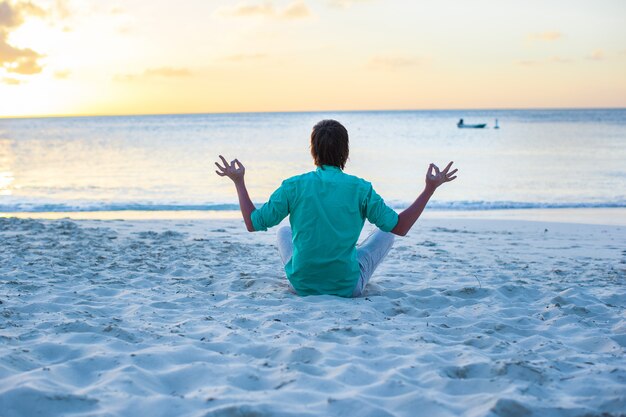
<point x="327" y="209"/>
<point x="460" y="123"/>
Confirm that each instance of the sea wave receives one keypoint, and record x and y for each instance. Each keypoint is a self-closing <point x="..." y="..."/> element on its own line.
<point x="516" y="205"/>
<point x="91" y="206"/>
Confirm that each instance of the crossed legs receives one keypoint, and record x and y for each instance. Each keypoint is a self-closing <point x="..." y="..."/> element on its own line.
<point x="370" y="253"/>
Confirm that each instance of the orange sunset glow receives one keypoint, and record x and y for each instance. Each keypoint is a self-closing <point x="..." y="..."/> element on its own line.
<point x="70" y="57"/>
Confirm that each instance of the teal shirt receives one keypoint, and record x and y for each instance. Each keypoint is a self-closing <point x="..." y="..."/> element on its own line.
<point x="327" y="209"/>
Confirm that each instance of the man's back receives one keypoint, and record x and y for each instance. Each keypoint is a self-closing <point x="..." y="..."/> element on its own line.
<point x="327" y="211"/>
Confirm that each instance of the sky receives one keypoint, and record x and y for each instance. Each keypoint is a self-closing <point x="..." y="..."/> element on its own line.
<point x="90" y="57"/>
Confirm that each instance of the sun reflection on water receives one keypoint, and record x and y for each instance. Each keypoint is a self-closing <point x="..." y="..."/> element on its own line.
<point x="7" y="178"/>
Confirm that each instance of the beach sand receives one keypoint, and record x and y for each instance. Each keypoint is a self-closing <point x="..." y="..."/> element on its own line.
<point x="194" y="318"/>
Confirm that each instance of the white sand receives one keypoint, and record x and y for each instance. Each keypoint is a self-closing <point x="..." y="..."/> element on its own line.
<point x="193" y="318"/>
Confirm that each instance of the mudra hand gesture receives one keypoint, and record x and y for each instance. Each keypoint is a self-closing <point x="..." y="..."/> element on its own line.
<point x="235" y="170"/>
<point x="434" y="177"/>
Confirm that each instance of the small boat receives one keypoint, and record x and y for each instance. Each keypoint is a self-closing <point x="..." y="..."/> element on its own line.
<point x="461" y="125"/>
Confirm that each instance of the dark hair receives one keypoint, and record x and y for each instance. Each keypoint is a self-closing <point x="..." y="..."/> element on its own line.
<point x="329" y="144"/>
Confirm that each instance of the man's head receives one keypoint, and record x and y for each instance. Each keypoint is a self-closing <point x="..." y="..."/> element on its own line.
<point x="329" y="144"/>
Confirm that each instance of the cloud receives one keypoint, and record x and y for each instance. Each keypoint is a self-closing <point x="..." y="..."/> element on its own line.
<point x="125" y="22"/>
<point x="22" y="61"/>
<point x="161" y="72"/>
<point x="25" y="66"/>
<point x="597" y="55"/>
<point x="393" y="62"/>
<point x="294" y="10"/>
<point x="61" y="9"/>
<point x="62" y="74"/>
<point x="546" y="36"/>
<point x="245" y="10"/>
<point x="527" y="63"/>
<point x="116" y="10"/>
<point x="535" y="63"/>
<point x="245" y="57"/>
<point x="11" y="81"/>
<point x="560" y="60"/>
<point x="10" y="54"/>
<point x="345" y="4"/>
<point x="18" y="60"/>
<point x="124" y="29"/>
<point x="167" y="72"/>
<point x="12" y="16"/>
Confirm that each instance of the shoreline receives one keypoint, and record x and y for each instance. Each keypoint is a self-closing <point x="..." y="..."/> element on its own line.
<point x="598" y="216"/>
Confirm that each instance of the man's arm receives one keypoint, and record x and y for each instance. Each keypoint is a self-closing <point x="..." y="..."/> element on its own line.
<point x="236" y="171"/>
<point x="409" y="216"/>
<point x="245" y="204"/>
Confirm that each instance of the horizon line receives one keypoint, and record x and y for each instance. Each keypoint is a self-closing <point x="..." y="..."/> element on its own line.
<point x="79" y="115"/>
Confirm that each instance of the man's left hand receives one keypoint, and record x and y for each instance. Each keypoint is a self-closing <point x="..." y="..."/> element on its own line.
<point x="235" y="170"/>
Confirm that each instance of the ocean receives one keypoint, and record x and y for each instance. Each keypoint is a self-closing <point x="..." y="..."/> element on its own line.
<point x="536" y="159"/>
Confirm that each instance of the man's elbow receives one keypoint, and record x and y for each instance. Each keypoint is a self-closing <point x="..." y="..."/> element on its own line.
<point x="399" y="231"/>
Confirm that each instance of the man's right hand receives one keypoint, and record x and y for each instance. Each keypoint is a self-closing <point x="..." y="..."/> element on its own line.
<point x="434" y="177"/>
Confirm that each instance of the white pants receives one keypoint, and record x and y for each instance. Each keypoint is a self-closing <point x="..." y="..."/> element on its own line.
<point x="370" y="253"/>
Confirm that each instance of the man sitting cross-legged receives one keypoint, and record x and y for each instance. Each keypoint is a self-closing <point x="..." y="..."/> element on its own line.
<point x="327" y="209"/>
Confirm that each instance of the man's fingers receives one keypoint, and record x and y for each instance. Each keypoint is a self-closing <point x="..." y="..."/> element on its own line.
<point x="452" y="172"/>
<point x="429" y="172"/>
<point x="220" y="167"/>
<point x="219" y="173"/>
<point x="239" y="164"/>
<point x="437" y="172"/>
<point x="224" y="161"/>
<point x="445" y="170"/>
<point x="451" y="178"/>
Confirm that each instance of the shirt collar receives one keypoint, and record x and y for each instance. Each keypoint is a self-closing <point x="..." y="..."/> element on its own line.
<point x="328" y="167"/>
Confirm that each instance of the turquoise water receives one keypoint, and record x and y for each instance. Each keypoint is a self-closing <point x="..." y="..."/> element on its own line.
<point x="538" y="158"/>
